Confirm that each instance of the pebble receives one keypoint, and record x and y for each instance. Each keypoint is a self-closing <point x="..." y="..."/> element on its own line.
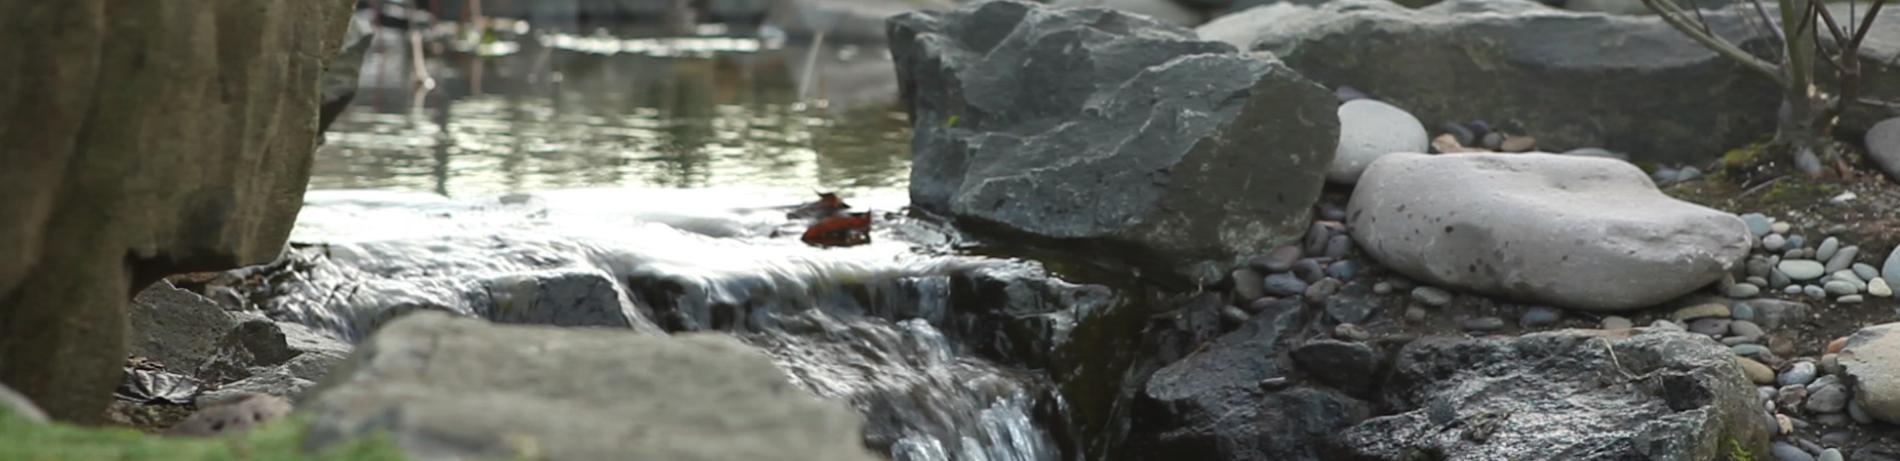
<point x="1837" y="439"/>
<point x="1831" y="398"/>
<point x="1317" y="293"/>
<point x="1758" y="282"/>
<point x="1757" y="267"/>
<point x="1661" y="324"/>
<point x="1527" y="143"/>
<point x="1617" y="323"/>
<point x="1432" y="296"/>
<point x="1840" y="288"/>
<point x="1343" y="270"/>
<point x="1233" y="315"/>
<point x="1842" y="259"/>
<point x="1338" y="246"/>
<point x="1316" y="237"/>
<point x="1849" y="276"/>
<point x="1773" y="242"/>
<point x="1700" y="311"/>
<point x="1828" y="248"/>
<point x="1750" y="350"/>
<point x="1774" y="425"/>
<point x="1743" y="290"/>
<point x="1402" y="283"/>
<point x="1757" y="223"/>
<point x="1801" y="373"/>
<point x="1831" y="454"/>
<point x="1484" y="324"/>
<point x="1830" y="420"/>
<point x="1796" y="241"/>
<point x="1779" y="279"/>
<point x="1309" y="270"/>
<point x="1786" y="423"/>
<point x="1792" y="289"/>
<point x="1781" y="345"/>
<point x="1755" y="371"/>
<point x="1479" y="128"/>
<point x="1382" y="288"/>
<point x="1850" y="299"/>
<point x="1802" y="269"/>
<point x="1785" y="452"/>
<point x="1248" y="285"/>
<point x="1458" y="132"/>
<point x="1795" y="253"/>
<point x="1494" y="140"/>
<point x="1742" y="311"/>
<point x="1745" y="329"/>
<point x="1831" y="364"/>
<point x="1351" y="332"/>
<point x="1279" y="260"/>
<point x="1715" y="327"/>
<point x="1780" y="227"/>
<point x="1879" y="288"/>
<point x="1414" y="313"/>
<point x="1284" y="285"/>
<point x="1331" y="212"/>
<point x="1866" y="271"/>
<point x="1737" y="340"/>
<point x="1860" y="416"/>
<point x="1539" y="316"/>
<point x="1790" y="397"/>
<point x="1814" y="291"/>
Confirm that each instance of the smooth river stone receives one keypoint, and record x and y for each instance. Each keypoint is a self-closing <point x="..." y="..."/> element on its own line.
<point x="1802" y="269"/>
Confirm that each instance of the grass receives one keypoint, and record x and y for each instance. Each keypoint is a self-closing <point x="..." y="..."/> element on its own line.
<point x="25" y="440"/>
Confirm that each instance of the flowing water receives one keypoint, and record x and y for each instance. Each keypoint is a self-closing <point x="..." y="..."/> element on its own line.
<point x="643" y="183"/>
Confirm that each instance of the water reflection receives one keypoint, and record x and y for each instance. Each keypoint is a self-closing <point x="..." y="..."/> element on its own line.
<point x="553" y="113"/>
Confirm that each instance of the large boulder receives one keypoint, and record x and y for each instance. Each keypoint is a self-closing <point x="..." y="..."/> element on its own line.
<point x="1112" y="131"/>
<point x="1579" y="232"/>
<point x="1572" y="395"/>
<point x="1883" y="146"/>
<point x="444" y="387"/>
<point x="144" y="139"/>
<point x="175" y="327"/>
<point x="1212" y="405"/>
<point x="1626" y="83"/>
<point x="1872" y="359"/>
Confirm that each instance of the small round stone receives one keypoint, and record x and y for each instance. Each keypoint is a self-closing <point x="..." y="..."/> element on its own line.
<point x="1756" y="281"/>
<point x="1414" y="313"/>
<point x="1344" y="270"/>
<point x="1802" y="269"/>
<point x="1284" y="284"/>
<point x="1800" y="374"/>
<point x="1540" y="316"/>
<point x="1700" y="311"/>
<point x="1850" y="299"/>
<point x="1831" y="454"/>
<point x="1279" y="260"/>
<point x="1432" y="296"/>
<point x="1848" y="276"/>
<point x="1484" y="324"/>
<point x="1796" y="241"/>
<point x="1792" y="289"/>
<point x="1715" y="327"/>
<point x="1757" y="267"/>
<point x="1743" y="291"/>
<point x="1866" y="271"/>
<point x="1617" y="323"/>
<point x="1736" y="340"/>
<point x="1746" y="329"/>
<point x="1749" y="350"/>
<point x="1828" y="248"/>
<point x="1338" y="246"/>
<point x="1814" y="291"/>
<point x="1317" y="293"/>
<point x="1758" y="224"/>
<point x="1233" y="315"/>
<point x="1755" y="371"/>
<point x="1780" y="227"/>
<point x="1783" y="451"/>
<point x="1879" y="288"/>
<point x="1309" y="270"/>
<point x="1830" y="398"/>
<point x="1331" y="212"/>
<point x="1742" y="311"/>
<point x="1831" y="364"/>
<point x="1778" y="279"/>
<point x="1835" y="346"/>
<point x="1402" y="283"/>
<point x="1839" y="288"/>
<point x="1790" y="397"/>
<point x="1773" y="242"/>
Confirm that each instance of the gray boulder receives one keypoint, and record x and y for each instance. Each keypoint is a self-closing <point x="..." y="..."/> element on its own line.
<point x="1369" y="129"/>
<point x="1166" y="11"/>
<point x="176" y="327"/>
<point x="1883" y="146"/>
<point x="1569" y="394"/>
<point x="144" y="140"/>
<point x="453" y="388"/>
<point x="1103" y="129"/>
<point x="1872" y="359"/>
<point x="1211" y="405"/>
<point x="1624" y="83"/>
<point x="1578" y="232"/>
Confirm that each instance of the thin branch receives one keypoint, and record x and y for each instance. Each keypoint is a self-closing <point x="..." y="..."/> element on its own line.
<point x="1833" y="28"/>
<point x="1840" y="38"/>
<point x="1776" y="28"/>
<point x="1671" y="14"/>
<point x="1697" y="8"/>
<point x="1866" y="24"/>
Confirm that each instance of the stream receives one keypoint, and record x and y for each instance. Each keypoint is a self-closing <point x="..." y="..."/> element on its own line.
<point x="641" y="182"/>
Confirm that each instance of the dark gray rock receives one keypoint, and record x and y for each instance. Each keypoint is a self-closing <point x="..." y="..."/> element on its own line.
<point x="1652" y="92"/>
<point x="1309" y="270"/>
<point x="1712" y="326"/>
<point x="427" y="367"/>
<point x="1775" y="313"/>
<point x="1284" y="285"/>
<point x="1484" y="324"/>
<point x="1883" y="146"/>
<point x="1317" y="293"/>
<point x="1347" y="366"/>
<point x="1249" y="285"/>
<point x="578" y="298"/>
<point x="1353" y="304"/>
<point x="1279" y="260"/>
<point x="1663" y="396"/>
<point x="176" y="327"/>
<point x="1211" y="405"/>
<point x="1079" y="126"/>
<point x="1345" y="270"/>
<point x="1784" y="451"/>
<point x="1540" y="316"/>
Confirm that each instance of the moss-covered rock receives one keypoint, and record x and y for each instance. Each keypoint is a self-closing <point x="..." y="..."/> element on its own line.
<point x="21" y="438"/>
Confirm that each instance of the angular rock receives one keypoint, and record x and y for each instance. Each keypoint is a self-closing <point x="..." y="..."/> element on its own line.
<point x="698" y="396"/>
<point x="1348" y="366"/>
<point x="1652" y="92"/>
<point x="1370" y="129"/>
<point x="1095" y="127"/>
<point x="1166" y="11"/>
<point x="176" y="327"/>
<point x="1211" y="405"/>
<point x="1465" y="399"/>
<point x="144" y="140"/>
<point x="1872" y="359"/>
<point x="1576" y="232"/>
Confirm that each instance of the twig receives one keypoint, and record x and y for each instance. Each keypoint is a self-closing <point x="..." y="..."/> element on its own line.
<point x="1758" y="187"/>
<point x="1866" y="24"/>
<point x="1613" y="361"/>
<point x="1765" y="19"/>
<point x="1670" y="13"/>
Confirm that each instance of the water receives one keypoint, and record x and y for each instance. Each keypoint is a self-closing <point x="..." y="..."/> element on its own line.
<point x="642" y="183"/>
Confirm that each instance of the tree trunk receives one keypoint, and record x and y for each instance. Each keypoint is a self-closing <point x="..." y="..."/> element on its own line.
<point x="1799" y="128"/>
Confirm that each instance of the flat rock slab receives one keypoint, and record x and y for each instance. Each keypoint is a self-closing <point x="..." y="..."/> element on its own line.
<point x="1578" y="232"/>
<point x="1102" y="129"/>
<point x="1563" y="395"/>
<point x="1872" y="358"/>
<point x="454" y="388"/>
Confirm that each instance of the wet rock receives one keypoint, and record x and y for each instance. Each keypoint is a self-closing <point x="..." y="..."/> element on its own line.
<point x="1348" y="366"/>
<point x="1370" y="129"/>
<point x="1338" y="246"/>
<point x="1279" y="260"/>
<point x="134" y="175"/>
<point x="176" y="327"/>
<point x="1872" y="358"/>
<point x="1284" y="285"/>
<point x="1093" y="80"/>
<point x="1486" y="228"/>
<point x="1829" y="398"/>
<point x="1317" y="293"/>
<point x="1249" y="285"/>
<point x="1309" y="270"/>
<point x="1789" y="397"/>
<point x="579" y="298"/>
<point x="1210" y="405"/>
<point x="1746" y="329"/>
<point x="1534" y="59"/>
<point x="1345" y="270"/>
<point x="1839" y="288"/>
<point x="428" y="366"/>
<point x="1460" y="400"/>
<point x="1743" y="291"/>
<point x="1801" y="373"/>
<point x="238" y="414"/>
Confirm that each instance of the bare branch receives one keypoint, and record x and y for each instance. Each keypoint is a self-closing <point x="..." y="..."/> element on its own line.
<point x="1833" y="29"/>
<point x="1866" y="24"/>
<point x="1776" y="28"/>
<point x="1672" y="14"/>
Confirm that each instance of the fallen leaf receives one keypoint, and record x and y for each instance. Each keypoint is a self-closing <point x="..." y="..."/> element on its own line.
<point x="841" y="230"/>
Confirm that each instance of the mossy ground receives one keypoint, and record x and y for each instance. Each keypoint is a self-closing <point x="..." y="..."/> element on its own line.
<point x="24" y="440"/>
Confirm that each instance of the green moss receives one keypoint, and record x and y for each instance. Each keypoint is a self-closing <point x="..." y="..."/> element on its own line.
<point x="1744" y="157"/>
<point x="21" y="439"/>
<point x="1737" y="453"/>
<point x="1797" y="191"/>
